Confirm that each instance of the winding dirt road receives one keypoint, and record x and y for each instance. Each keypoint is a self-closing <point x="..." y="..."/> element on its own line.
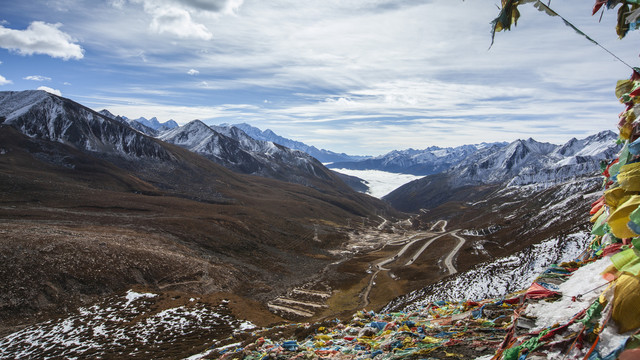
<point x="448" y="261"/>
<point x="408" y="242"/>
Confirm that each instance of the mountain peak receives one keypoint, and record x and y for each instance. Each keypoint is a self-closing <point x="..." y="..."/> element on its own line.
<point x="15" y="103"/>
<point x="155" y="124"/>
<point x="107" y="113"/>
<point x="41" y="115"/>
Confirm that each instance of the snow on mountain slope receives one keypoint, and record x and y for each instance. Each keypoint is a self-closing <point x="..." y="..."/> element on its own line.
<point x="131" y="325"/>
<point x="195" y="136"/>
<point x="429" y="161"/>
<point x="41" y="115"/>
<point x="498" y="277"/>
<point x="528" y="161"/>
<point x="249" y="143"/>
<point x="231" y="147"/>
<point x="324" y="156"/>
<point x="155" y="124"/>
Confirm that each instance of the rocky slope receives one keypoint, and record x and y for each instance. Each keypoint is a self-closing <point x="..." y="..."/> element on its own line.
<point x="234" y="149"/>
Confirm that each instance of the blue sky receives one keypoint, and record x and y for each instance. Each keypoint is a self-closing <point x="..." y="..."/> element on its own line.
<point x="361" y="77"/>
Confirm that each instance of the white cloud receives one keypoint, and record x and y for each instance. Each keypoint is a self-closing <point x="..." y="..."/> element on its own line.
<point x="177" y="17"/>
<point x="50" y="90"/>
<point x="193" y="72"/>
<point x="41" y="38"/>
<point x="119" y="4"/>
<point x="212" y="6"/>
<point x="4" y="81"/>
<point x="66" y="83"/>
<point x="37" y="78"/>
<point x="178" y="22"/>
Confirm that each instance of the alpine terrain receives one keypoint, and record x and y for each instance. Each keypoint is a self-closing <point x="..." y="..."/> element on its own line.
<point x="432" y="160"/>
<point x="324" y="156"/>
<point x="125" y="241"/>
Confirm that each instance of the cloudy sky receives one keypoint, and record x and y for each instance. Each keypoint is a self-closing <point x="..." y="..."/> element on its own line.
<point x="354" y="76"/>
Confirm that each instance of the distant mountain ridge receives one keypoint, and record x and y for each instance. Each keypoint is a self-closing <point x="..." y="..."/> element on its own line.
<point x="525" y="162"/>
<point x="431" y="160"/>
<point x="233" y="148"/>
<point x="157" y="125"/>
<point x="150" y="127"/>
<point x="520" y="163"/>
<point x="324" y="156"/>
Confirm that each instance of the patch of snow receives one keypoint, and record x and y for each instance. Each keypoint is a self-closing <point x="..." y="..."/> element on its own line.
<point x="246" y="325"/>
<point x="485" y="357"/>
<point x="549" y="313"/>
<point x="610" y="339"/>
<point x="133" y="296"/>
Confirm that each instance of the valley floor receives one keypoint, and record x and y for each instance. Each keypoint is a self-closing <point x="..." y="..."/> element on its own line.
<point x="391" y="259"/>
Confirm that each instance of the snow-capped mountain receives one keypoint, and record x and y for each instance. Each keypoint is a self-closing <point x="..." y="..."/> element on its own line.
<point x="324" y="156"/>
<point x="528" y="161"/>
<point x="155" y="124"/>
<point x="234" y="149"/>
<point x="429" y="161"/>
<point x="39" y="114"/>
<point x="151" y="127"/>
<point x="131" y="123"/>
<point x="520" y="163"/>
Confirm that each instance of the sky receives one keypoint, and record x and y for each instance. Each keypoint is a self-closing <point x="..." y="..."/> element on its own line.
<point x="362" y="77"/>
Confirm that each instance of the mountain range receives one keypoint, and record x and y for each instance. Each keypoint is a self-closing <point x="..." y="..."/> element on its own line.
<point x="431" y="160"/>
<point x="324" y="156"/>
<point x="89" y="206"/>
<point x="522" y="162"/>
<point x="233" y="148"/>
<point x="206" y="220"/>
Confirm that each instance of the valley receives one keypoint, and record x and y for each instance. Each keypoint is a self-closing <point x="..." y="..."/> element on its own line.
<point x="94" y="209"/>
<point x="185" y="307"/>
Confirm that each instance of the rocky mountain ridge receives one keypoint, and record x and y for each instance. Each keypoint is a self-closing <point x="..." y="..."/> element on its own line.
<point x="324" y="156"/>
<point x="520" y="163"/>
<point x="41" y="115"/>
<point x="432" y="160"/>
<point x="233" y="148"/>
<point x="528" y="161"/>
